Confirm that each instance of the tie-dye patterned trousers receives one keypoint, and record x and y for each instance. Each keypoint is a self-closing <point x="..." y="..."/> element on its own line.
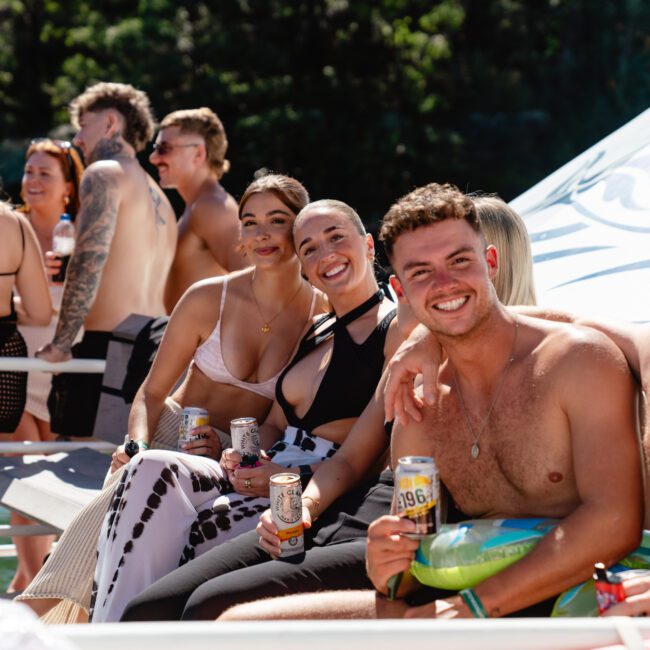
<point x="170" y="507"/>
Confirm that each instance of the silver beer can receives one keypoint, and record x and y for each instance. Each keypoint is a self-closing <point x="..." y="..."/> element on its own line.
<point x="417" y="494"/>
<point x="285" y="493"/>
<point x="245" y="436"/>
<point x="191" y="417"/>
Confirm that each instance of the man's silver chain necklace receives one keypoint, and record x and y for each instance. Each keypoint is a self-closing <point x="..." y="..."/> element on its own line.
<point x="475" y="449"/>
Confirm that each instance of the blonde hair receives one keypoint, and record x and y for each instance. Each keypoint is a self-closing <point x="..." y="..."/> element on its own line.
<point x="207" y="124"/>
<point x="505" y="229"/>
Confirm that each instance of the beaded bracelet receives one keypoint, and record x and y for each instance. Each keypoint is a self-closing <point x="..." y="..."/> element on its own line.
<point x="474" y="603"/>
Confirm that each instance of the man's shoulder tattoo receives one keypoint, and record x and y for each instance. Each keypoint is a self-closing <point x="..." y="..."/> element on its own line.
<point x="157" y="203"/>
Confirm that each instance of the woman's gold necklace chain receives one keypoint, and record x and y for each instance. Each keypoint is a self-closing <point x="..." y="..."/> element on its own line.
<point x="266" y="324"/>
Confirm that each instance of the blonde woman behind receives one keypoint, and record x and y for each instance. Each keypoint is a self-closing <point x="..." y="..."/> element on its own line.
<point x="505" y="229"/>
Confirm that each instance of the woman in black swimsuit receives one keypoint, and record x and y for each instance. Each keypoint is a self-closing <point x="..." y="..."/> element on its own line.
<point x="22" y="269"/>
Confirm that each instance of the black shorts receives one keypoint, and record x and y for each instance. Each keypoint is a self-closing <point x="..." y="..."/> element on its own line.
<point x="74" y="397"/>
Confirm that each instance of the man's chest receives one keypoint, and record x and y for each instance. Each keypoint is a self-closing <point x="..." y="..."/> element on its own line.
<point x="518" y="457"/>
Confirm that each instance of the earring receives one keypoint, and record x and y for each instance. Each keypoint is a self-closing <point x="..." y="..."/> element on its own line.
<point x="66" y="200"/>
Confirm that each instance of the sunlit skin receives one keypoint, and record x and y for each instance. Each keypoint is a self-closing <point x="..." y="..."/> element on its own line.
<point x="334" y="256"/>
<point x="266" y="230"/>
<point x="44" y="186"/>
<point x="208" y="230"/>
<point x="444" y="276"/>
<point x="175" y="167"/>
<point x="93" y="127"/>
<point x="120" y="207"/>
<point x="266" y="224"/>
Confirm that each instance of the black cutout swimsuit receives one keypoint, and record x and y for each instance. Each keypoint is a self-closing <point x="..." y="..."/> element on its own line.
<point x="353" y="372"/>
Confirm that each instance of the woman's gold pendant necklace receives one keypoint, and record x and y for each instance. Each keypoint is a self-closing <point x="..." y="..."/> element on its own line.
<point x="266" y="324"/>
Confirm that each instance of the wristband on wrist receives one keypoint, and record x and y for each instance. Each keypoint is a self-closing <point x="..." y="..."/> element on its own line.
<point x="142" y="444"/>
<point x="305" y="475"/>
<point x="316" y="504"/>
<point x="474" y="603"/>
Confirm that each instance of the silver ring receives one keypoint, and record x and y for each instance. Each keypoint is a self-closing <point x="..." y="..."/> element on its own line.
<point x="247" y="484"/>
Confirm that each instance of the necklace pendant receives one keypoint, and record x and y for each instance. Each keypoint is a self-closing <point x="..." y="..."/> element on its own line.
<point x="265" y="329"/>
<point x="475" y="451"/>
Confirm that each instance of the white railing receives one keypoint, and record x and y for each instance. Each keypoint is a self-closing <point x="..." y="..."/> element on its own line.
<point x="29" y="447"/>
<point x="25" y="447"/>
<point x="27" y="364"/>
<point x="501" y="634"/>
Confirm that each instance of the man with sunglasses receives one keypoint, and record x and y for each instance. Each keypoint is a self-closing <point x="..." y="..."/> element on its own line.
<point x="126" y="238"/>
<point x="189" y="154"/>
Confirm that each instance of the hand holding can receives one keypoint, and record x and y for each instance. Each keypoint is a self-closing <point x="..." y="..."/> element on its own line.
<point x="191" y="417"/>
<point x="245" y="436"/>
<point x="286" y="511"/>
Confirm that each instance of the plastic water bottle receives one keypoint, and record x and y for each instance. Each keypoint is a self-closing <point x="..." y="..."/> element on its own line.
<point x="63" y="237"/>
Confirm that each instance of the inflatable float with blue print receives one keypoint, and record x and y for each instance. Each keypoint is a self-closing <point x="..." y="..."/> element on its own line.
<point x="463" y="555"/>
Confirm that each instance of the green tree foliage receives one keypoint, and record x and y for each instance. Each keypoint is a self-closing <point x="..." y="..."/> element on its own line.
<point x="363" y="100"/>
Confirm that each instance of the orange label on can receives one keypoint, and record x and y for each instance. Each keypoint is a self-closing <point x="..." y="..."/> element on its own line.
<point x="288" y="533"/>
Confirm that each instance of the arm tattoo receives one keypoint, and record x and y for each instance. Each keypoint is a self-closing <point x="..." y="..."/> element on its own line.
<point x="156" y="200"/>
<point x="96" y="226"/>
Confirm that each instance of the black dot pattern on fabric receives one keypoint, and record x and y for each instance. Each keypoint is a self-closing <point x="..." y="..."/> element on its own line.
<point x="13" y="385"/>
<point x="161" y="488"/>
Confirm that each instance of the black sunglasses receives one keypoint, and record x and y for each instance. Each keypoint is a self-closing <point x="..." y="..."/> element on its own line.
<point x="163" y="148"/>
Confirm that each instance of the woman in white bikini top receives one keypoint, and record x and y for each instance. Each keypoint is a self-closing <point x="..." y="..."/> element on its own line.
<point x="237" y="332"/>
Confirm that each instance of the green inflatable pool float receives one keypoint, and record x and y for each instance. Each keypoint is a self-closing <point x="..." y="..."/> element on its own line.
<point x="462" y="555"/>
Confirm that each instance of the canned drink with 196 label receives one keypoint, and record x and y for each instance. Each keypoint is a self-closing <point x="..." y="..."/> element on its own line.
<point x="286" y="510"/>
<point x="191" y="417"/>
<point x="245" y="436"/>
<point x="417" y="494"/>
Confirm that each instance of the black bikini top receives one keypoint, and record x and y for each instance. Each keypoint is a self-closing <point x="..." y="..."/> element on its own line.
<point x="353" y="372"/>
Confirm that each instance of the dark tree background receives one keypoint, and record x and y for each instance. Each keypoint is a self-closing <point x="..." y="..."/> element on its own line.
<point x="362" y="100"/>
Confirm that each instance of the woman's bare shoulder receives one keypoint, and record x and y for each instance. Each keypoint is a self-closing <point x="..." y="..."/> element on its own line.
<point x="8" y="217"/>
<point x="10" y="232"/>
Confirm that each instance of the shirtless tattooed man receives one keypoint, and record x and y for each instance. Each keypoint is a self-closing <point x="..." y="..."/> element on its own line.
<point x="189" y="154"/>
<point x="126" y="238"/>
<point x="531" y="419"/>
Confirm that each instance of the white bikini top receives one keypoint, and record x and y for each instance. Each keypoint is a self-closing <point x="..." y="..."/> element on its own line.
<point x="209" y="358"/>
